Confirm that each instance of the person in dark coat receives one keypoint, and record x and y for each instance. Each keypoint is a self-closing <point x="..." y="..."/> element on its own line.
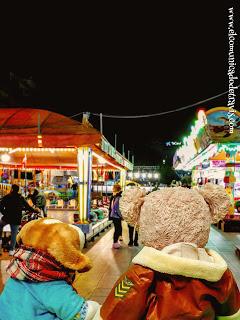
<point x="39" y="201"/>
<point x="75" y="188"/>
<point x="11" y="207"/>
<point x="115" y="215"/>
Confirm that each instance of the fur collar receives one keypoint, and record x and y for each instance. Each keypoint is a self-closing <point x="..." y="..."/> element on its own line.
<point x="183" y="259"/>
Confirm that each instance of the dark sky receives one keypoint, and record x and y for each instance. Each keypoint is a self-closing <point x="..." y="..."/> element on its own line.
<point x="133" y="61"/>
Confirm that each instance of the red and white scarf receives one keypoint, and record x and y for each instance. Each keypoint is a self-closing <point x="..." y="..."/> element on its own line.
<point x="35" y="265"/>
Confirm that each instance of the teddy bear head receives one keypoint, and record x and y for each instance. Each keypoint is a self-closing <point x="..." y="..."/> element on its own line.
<point x="173" y="215"/>
<point x="62" y="241"/>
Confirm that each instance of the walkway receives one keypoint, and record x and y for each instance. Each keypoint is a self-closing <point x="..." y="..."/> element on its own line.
<point x="109" y="264"/>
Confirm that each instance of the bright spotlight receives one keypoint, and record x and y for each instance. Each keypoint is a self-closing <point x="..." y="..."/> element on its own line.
<point x="5" y="157"/>
<point x="136" y="175"/>
<point x="130" y="174"/>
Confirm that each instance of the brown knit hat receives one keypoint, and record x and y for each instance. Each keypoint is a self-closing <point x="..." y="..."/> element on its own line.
<point x="116" y="188"/>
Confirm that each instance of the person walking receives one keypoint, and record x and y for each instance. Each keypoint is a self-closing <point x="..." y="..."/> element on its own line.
<point x="39" y="201"/>
<point x="11" y="207"/>
<point x="116" y="215"/>
<point x="75" y="188"/>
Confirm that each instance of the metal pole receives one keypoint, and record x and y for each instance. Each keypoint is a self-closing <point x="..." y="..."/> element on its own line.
<point x="25" y="175"/>
<point x="128" y="154"/>
<point x="123" y="153"/>
<point x="84" y="161"/>
<point x="39" y="121"/>
<point x="25" y="182"/>
<point x="133" y="159"/>
<point x="101" y="124"/>
<point x="97" y="186"/>
<point x="115" y="144"/>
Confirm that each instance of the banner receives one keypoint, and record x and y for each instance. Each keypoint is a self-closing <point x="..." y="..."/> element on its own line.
<point x="219" y="122"/>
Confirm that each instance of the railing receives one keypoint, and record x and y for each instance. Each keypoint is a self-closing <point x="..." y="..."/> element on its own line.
<point x="110" y="150"/>
<point x="4" y="189"/>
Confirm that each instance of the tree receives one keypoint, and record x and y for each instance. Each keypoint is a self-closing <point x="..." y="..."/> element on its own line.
<point x="17" y="90"/>
<point x="186" y="181"/>
<point x="167" y="174"/>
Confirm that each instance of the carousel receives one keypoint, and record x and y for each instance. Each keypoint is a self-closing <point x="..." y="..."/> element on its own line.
<point x="63" y="158"/>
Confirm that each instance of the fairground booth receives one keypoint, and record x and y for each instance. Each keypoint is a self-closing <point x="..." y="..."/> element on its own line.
<point x="70" y="161"/>
<point x="212" y="152"/>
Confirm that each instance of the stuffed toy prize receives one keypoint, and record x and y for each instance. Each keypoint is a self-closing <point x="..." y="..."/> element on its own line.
<point x="174" y="277"/>
<point x="41" y="274"/>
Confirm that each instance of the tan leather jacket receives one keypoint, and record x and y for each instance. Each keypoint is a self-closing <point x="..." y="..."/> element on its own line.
<point x="205" y="291"/>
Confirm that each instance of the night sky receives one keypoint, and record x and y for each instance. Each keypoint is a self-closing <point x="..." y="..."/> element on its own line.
<point x="137" y="60"/>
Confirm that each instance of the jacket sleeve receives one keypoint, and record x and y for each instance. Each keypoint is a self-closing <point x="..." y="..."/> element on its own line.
<point x="2" y="205"/>
<point x="117" y="208"/>
<point x="129" y="297"/>
<point x="110" y="204"/>
<point x="60" y="299"/>
<point x="231" y="304"/>
<point x="26" y="206"/>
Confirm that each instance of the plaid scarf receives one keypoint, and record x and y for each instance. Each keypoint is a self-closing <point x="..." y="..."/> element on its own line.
<point x="35" y="265"/>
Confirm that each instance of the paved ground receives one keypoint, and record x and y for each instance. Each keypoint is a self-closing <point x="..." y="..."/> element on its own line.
<point x="109" y="263"/>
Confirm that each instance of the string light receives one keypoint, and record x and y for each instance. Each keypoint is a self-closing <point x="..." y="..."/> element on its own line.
<point x="229" y="148"/>
<point x="101" y="159"/>
<point x="5" y="157"/>
<point x="52" y="150"/>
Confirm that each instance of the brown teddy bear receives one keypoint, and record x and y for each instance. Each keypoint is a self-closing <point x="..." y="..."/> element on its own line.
<point x="174" y="276"/>
<point x="42" y="272"/>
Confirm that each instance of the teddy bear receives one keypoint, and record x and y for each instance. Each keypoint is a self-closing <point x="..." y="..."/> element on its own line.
<point x="42" y="272"/>
<point x="174" y="277"/>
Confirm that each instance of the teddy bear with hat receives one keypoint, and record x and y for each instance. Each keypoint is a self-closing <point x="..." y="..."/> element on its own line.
<point x="174" y="277"/>
<point x="42" y="272"/>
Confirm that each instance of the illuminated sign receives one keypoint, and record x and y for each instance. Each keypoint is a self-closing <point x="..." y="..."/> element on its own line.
<point x="218" y="125"/>
<point x="173" y="143"/>
<point x="218" y="163"/>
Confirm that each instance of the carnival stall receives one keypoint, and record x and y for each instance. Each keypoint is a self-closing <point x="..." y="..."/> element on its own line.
<point x="61" y="157"/>
<point x="212" y="152"/>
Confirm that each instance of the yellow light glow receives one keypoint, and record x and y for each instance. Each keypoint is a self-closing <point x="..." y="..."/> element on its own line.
<point x="130" y="174"/>
<point x="106" y="161"/>
<point x="137" y="175"/>
<point x="5" y="157"/>
<point x="31" y="149"/>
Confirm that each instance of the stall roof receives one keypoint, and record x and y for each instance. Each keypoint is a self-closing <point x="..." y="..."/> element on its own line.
<point x="20" y="128"/>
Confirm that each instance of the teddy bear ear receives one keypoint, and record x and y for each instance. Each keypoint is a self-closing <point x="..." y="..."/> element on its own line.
<point x="217" y="200"/>
<point x="68" y="252"/>
<point x="70" y="257"/>
<point x="130" y="205"/>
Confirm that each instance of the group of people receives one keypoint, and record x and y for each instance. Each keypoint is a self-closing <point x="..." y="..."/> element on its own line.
<point x="116" y="216"/>
<point x="174" y="275"/>
<point x="11" y="207"/>
<point x="38" y="200"/>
